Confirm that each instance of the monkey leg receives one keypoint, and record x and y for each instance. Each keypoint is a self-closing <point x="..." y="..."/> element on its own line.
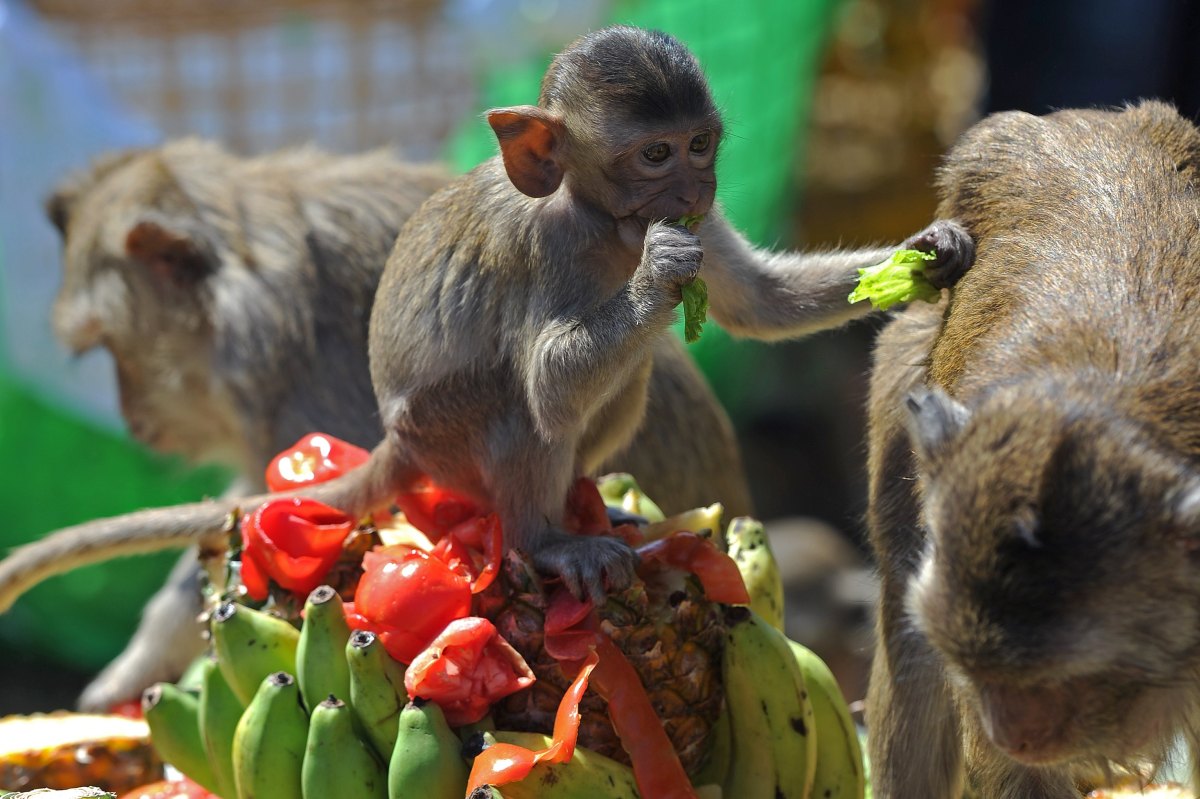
<point x="168" y="638"/>
<point x="530" y="488"/>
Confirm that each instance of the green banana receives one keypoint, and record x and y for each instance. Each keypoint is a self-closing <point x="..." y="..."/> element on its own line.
<point x="173" y="716"/>
<point x="251" y="644"/>
<point x="377" y="692"/>
<point x="336" y="761"/>
<point x="620" y="490"/>
<point x="751" y="550"/>
<point x="321" y="664"/>
<point x="427" y="761"/>
<point x="588" y="774"/>
<point x="269" y="743"/>
<point x="220" y="710"/>
<point x="716" y="768"/>
<point x="839" y="770"/>
<point x="771" y="720"/>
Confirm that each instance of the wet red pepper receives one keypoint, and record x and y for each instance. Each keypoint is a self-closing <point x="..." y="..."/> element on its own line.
<point x="503" y="763"/>
<point x="718" y="573"/>
<point x="170" y="789"/>
<point x="466" y="668"/>
<point x="435" y="510"/>
<point x="292" y="541"/>
<point x="407" y="598"/>
<point x="313" y="459"/>
<point x="571" y="627"/>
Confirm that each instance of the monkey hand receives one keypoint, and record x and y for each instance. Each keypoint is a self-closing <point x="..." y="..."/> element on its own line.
<point x="589" y="566"/>
<point x="670" y="260"/>
<point x="953" y="246"/>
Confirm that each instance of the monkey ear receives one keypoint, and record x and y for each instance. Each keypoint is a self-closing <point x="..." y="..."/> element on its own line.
<point x="530" y="143"/>
<point x="167" y="250"/>
<point x="934" y="419"/>
<point x="58" y="209"/>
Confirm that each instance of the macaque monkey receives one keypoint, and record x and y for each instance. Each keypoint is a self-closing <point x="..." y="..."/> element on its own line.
<point x="1040" y="608"/>
<point x="511" y="340"/>
<point x="234" y="297"/>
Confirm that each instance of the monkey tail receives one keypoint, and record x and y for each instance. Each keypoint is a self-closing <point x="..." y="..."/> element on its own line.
<point x="367" y="488"/>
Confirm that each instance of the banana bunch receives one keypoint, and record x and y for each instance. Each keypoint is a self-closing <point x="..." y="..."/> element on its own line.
<point x="283" y="713"/>
<point x="786" y="729"/>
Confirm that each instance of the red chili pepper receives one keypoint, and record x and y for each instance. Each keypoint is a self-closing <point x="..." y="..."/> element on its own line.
<point x="294" y="542"/>
<point x="466" y="668"/>
<point x="718" y="573"/>
<point x="313" y="459"/>
<point x="407" y="598"/>
<point x="503" y="763"/>
<point x="586" y="513"/>
<point x="434" y="510"/>
<point x="656" y="765"/>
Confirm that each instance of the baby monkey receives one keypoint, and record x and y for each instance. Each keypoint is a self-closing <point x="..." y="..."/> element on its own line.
<point x="511" y="336"/>
<point x="1040" y="614"/>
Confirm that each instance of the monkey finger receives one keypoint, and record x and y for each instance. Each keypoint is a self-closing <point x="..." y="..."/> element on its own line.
<point x="953" y="246"/>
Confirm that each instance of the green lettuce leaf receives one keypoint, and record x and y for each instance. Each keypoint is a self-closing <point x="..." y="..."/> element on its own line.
<point x="899" y="279"/>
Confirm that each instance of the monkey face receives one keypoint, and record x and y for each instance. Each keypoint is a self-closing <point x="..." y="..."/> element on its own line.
<point x="664" y="174"/>
<point x="135" y="282"/>
<point x="1060" y="581"/>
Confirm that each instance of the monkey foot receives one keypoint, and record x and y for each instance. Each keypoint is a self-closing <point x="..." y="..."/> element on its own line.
<point x="588" y="565"/>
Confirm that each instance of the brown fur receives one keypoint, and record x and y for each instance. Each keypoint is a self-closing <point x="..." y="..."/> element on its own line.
<point x="1040" y="602"/>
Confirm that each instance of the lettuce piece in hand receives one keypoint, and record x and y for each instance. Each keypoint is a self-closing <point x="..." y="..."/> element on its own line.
<point x="695" y="309"/>
<point x="695" y="294"/>
<point x="899" y="279"/>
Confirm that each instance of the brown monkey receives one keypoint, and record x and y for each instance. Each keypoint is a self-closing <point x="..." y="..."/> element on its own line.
<point x="235" y="309"/>
<point x="1040" y="583"/>
<point x="538" y="283"/>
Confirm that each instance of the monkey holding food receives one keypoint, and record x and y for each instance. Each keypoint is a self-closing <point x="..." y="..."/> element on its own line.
<point x="512" y="332"/>
<point x="1040" y="581"/>
<point x="234" y="295"/>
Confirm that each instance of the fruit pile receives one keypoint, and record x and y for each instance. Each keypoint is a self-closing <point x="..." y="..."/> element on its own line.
<point x="412" y="658"/>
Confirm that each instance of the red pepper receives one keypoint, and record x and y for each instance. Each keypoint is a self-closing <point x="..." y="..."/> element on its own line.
<point x="313" y="459"/>
<point x="503" y="763"/>
<point x="294" y="542"/>
<point x="434" y="510"/>
<point x="407" y="598"/>
<point x="586" y="513"/>
<point x="467" y="668"/>
<point x="656" y="765"/>
<point x="485" y="535"/>
<point x="170" y="789"/>
<point x="718" y="573"/>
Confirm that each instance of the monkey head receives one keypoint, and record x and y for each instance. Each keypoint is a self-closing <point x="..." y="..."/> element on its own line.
<point x="1061" y="579"/>
<point x="137" y="281"/>
<point x="625" y="123"/>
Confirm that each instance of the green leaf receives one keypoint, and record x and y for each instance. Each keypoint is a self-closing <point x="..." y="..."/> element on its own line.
<point x="695" y="309"/>
<point x="899" y="279"/>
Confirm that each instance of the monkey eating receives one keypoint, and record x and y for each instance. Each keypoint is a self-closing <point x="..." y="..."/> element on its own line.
<point x="512" y="334"/>
<point x="236" y="311"/>
<point x="1040" y="588"/>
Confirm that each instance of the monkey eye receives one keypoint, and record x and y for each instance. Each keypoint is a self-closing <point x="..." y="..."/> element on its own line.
<point x="657" y="153"/>
<point x="700" y="142"/>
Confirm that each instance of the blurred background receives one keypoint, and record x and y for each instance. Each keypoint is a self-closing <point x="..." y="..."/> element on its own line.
<point x="837" y="112"/>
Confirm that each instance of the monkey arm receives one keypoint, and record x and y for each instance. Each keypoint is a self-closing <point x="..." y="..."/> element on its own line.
<point x="777" y="295"/>
<point x="576" y="363"/>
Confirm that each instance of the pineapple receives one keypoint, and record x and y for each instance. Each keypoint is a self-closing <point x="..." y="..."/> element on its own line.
<point x="671" y="634"/>
<point x="65" y="750"/>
